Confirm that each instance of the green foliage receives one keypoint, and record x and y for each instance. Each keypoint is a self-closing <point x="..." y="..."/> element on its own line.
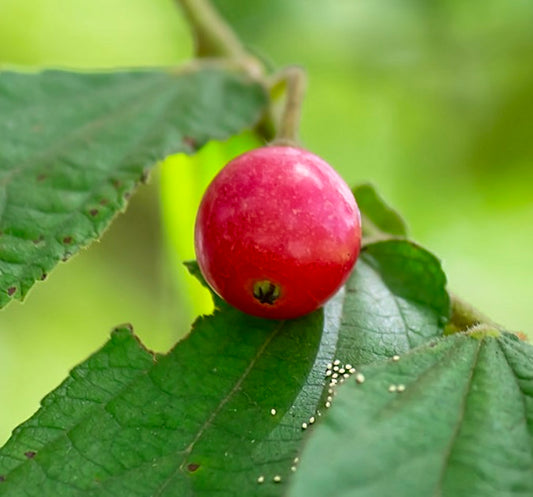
<point x="463" y="427"/>
<point x="376" y="214"/>
<point x="226" y="405"/>
<point x="397" y="301"/>
<point x="73" y="147"/>
<point x="199" y="418"/>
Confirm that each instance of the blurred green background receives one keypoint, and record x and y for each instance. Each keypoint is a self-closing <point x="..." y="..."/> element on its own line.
<point x="430" y="100"/>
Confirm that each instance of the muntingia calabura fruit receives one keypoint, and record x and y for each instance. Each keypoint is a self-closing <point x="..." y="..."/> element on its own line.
<point x="277" y="233"/>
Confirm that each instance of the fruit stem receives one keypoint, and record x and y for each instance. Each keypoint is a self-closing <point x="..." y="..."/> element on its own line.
<point x="214" y="37"/>
<point x="294" y="79"/>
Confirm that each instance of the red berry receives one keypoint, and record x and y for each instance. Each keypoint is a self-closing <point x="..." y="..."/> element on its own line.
<point x="277" y="232"/>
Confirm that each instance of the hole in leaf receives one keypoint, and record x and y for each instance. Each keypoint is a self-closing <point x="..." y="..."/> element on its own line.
<point x="30" y="454"/>
<point x="11" y="290"/>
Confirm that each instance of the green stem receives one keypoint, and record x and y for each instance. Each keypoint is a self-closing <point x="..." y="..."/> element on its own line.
<point x="289" y="124"/>
<point x="465" y="316"/>
<point x="214" y="37"/>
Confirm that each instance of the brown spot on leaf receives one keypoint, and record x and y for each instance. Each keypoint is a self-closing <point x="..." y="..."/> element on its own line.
<point x="127" y="195"/>
<point x="145" y="176"/>
<point x="67" y="240"/>
<point x="41" y="177"/>
<point x="189" y="141"/>
<point x="192" y="467"/>
<point x="2" y="478"/>
<point x="116" y="183"/>
<point x="30" y="454"/>
<point x="93" y="212"/>
<point x="522" y="336"/>
<point x="104" y="201"/>
<point x="11" y="290"/>
<point x="43" y="276"/>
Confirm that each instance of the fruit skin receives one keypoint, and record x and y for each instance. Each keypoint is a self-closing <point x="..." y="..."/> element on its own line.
<point x="277" y="232"/>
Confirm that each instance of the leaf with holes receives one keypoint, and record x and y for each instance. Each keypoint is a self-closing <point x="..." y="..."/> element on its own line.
<point x="73" y="147"/>
<point x="226" y="405"/>
<point x="463" y="426"/>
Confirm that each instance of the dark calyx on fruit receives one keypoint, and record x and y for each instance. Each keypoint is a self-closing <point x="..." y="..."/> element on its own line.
<point x="266" y="292"/>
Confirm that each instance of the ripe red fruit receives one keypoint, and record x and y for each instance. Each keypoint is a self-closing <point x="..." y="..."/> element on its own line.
<point x="277" y="232"/>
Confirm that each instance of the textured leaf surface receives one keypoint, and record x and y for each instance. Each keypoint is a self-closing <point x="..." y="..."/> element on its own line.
<point x="74" y="146"/>
<point x="376" y="214"/>
<point x="396" y="301"/>
<point x="198" y="421"/>
<point x="463" y="427"/>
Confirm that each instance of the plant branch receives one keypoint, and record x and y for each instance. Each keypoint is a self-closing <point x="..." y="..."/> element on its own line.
<point x="214" y="37"/>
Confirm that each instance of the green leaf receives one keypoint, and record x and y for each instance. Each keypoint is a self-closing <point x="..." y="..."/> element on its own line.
<point x="198" y="420"/>
<point x="376" y="214"/>
<point x="195" y="422"/>
<point x="463" y="427"/>
<point x="396" y="300"/>
<point x="74" y="146"/>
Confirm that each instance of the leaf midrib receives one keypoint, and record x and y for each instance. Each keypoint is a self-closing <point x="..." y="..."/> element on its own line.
<point x="406" y="328"/>
<point x="84" y="131"/>
<point x="464" y="401"/>
<point x="520" y="389"/>
<point x="199" y="433"/>
<point x="219" y="408"/>
<point x="81" y="133"/>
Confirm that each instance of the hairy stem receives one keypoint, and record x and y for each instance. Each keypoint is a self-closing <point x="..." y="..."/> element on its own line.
<point x="465" y="316"/>
<point x="214" y="37"/>
<point x="294" y="78"/>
